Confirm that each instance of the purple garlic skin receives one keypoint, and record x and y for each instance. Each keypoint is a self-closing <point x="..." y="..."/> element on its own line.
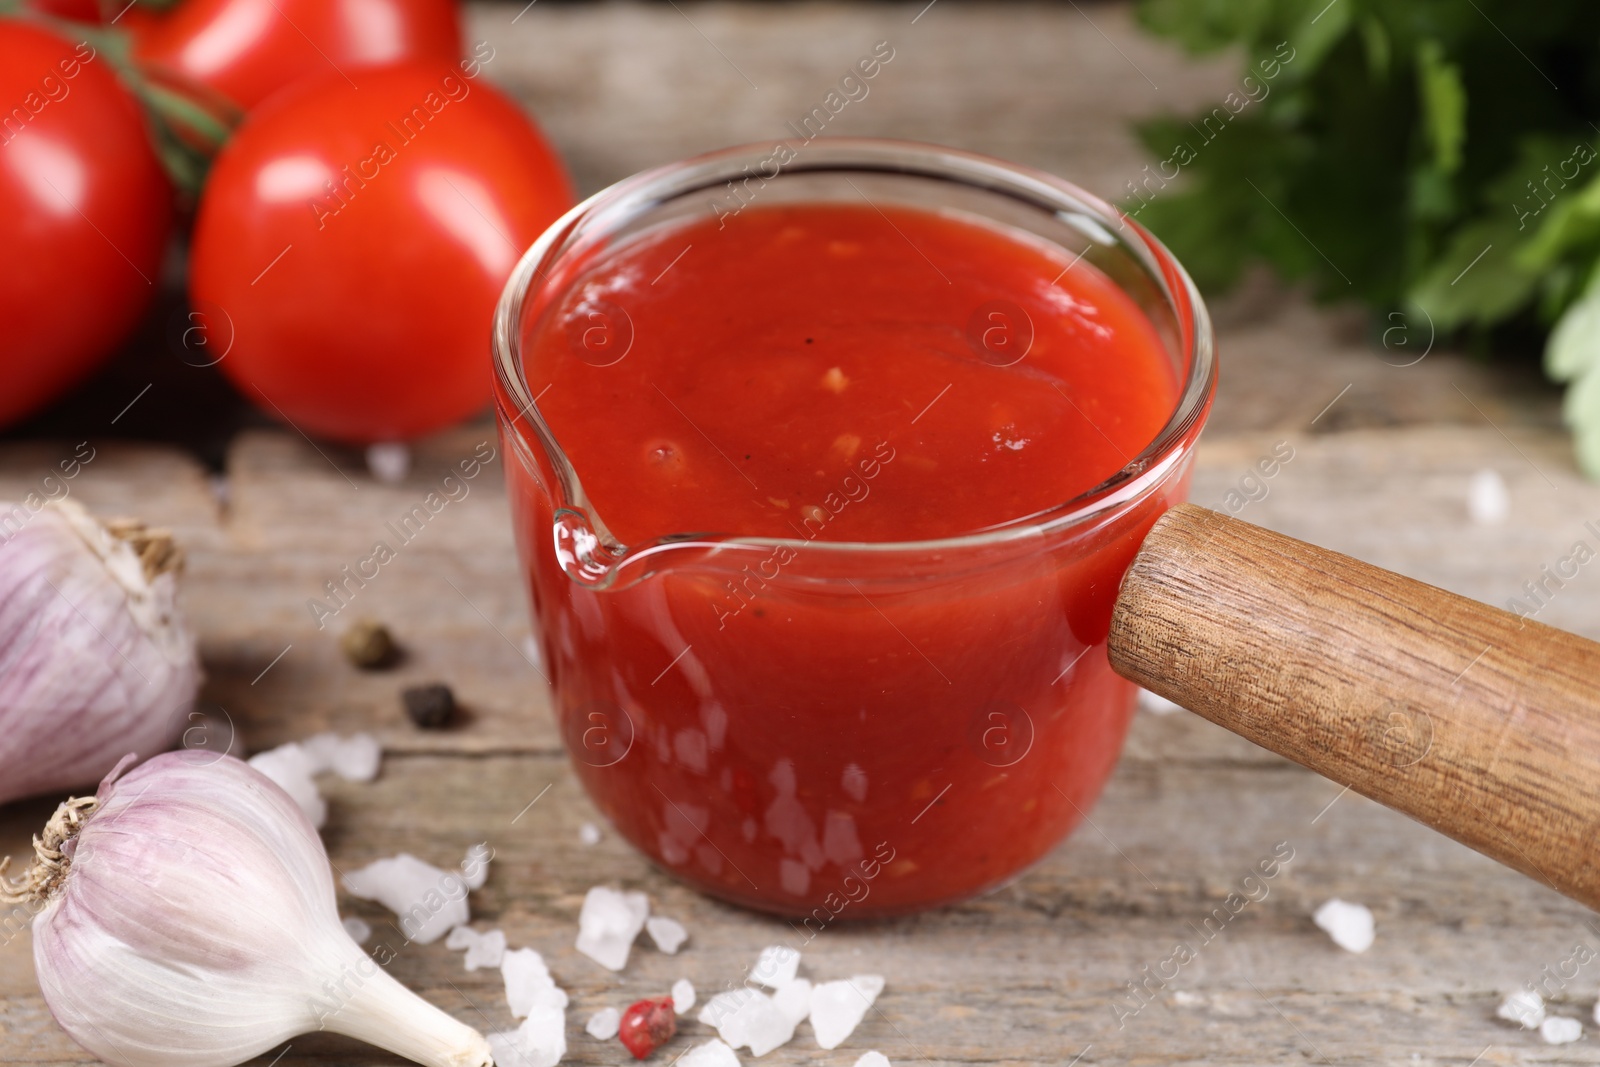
<point x="95" y="660"/>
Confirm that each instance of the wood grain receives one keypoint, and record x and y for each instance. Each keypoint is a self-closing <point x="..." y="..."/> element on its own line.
<point x="1031" y="974"/>
<point x="1472" y="720"/>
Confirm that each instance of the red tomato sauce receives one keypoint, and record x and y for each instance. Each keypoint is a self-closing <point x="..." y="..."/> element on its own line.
<point x="766" y="362"/>
<point x="825" y="731"/>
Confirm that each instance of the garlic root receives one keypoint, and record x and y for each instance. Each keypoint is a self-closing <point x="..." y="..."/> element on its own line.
<point x="50" y="862"/>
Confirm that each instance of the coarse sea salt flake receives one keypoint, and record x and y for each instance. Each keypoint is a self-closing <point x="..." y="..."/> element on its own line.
<point x="682" y="995"/>
<point x="389" y="462"/>
<point x="668" y="934"/>
<point x="608" y="923"/>
<point x="488" y="953"/>
<point x="1350" y="925"/>
<point x="1560" y="1030"/>
<point x="540" y="1041"/>
<point x="604" y="1024"/>
<point x="358" y="929"/>
<point x="713" y="1053"/>
<point x="837" y="1008"/>
<point x="757" y="1023"/>
<point x="1488" y="499"/>
<point x="794" y="1000"/>
<point x="528" y="983"/>
<point x="723" y="1005"/>
<point x="776" y="966"/>
<point x="475" y="865"/>
<point x="355" y="758"/>
<point x="532" y="652"/>
<point x="1524" y="1007"/>
<point x="589" y="834"/>
<point x="873" y="1059"/>
<point x="428" y="901"/>
<point x="484" y="951"/>
<point x="292" y="769"/>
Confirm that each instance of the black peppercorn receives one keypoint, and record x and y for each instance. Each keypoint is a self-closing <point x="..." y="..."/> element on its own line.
<point x="429" y="706"/>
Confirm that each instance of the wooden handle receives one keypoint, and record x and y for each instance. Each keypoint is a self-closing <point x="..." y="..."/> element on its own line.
<point x="1478" y="723"/>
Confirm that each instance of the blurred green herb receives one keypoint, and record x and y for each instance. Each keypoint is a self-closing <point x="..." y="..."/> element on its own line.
<point x="1435" y="156"/>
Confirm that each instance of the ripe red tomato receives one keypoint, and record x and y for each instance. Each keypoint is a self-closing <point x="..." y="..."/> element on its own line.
<point x="80" y="10"/>
<point x="355" y="242"/>
<point x="85" y="209"/>
<point x="247" y="49"/>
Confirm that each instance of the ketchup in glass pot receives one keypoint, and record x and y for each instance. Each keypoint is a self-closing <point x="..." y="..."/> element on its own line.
<point x="789" y="498"/>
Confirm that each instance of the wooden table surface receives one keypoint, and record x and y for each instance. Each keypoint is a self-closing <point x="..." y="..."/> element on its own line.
<point x="1030" y="974"/>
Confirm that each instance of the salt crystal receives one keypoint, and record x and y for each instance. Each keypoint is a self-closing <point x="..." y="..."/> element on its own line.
<point x="294" y="767"/>
<point x="389" y="462"/>
<point x="668" y="934"/>
<point x="528" y="983"/>
<point x="748" y="1017"/>
<point x="358" y="930"/>
<point x="1350" y="925"/>
<point x="540" y="1041"/>
<point x="711" y="1054"/>
<point x="1559" y="1030"/>
<point x="683" y="996"/>
<point x="873" y="1059"/>
<point x="1185" y="999"/>
<point x="604" y="1024"/>
<point x="776" y="966"/>
<point x="1488" y="500"/>
<point x="503" y="1047"/>
<point x="723" y="1005"/>
<point x="589" y="834"/>
<point x="488" y="953"/>
<point x="608" y="923"/>
<point x="794" y="1000"/>
<point x="291" y="768"/>
<point x="318" y="751"/>
<point x="1157" y="704"/>
<point x="355" y="758"/>
<point x="430" y="902"/>
<point x="532" y="652"/>
<point x="484" y="951"/>
<point x="1524" y="1007"/>
<point x="837" y="1008"/>
<point x="475" y="866"/>
<point x="358" y="758"/>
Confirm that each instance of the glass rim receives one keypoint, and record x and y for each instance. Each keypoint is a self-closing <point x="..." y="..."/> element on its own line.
<point x="1037" y="188"/>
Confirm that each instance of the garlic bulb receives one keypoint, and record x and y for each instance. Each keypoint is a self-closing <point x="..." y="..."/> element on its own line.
<point x="94" y="657"/>
<point x="185" y="917"/>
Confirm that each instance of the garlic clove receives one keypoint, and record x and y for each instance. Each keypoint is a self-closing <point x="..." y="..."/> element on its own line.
<point x="186" y="917"/>
<point x="94" y="655"/>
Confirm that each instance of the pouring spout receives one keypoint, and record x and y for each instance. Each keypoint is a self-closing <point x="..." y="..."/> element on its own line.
<point x="581" y="552"/>
<point x="590" y="557"/>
